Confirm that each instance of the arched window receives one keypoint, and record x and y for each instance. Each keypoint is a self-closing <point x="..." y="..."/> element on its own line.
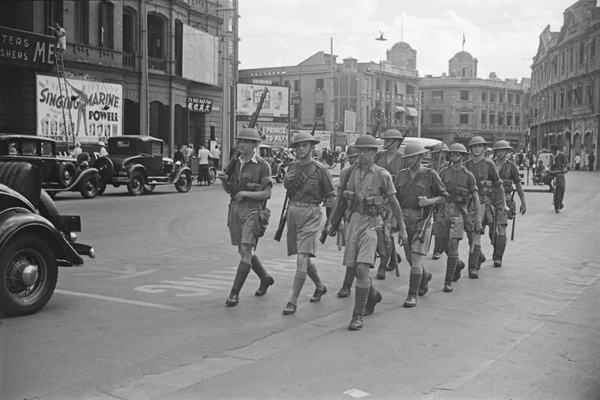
<point x="156" y="42"/>
<point x="107" y="28"/>
<point x="159" y="121"/>
<point x="129" y="31"/>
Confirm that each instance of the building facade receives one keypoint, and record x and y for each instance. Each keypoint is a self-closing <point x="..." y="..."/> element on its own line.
<point x="160" y="62"/>
<point x="565" y="84"/>
<point x="458" y="102"/>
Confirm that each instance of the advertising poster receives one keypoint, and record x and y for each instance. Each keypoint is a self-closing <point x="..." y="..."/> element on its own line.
<point x="275" y="134"/>
<point x="276" y="102"/>
<point x="94" y="109"/>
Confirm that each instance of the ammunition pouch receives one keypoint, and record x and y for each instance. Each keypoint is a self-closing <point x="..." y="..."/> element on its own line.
<point x="461" y="196"/>
<point x="374" y="205"/>
<point x="351" y="200"/>
<point x="486" y="190"/>
<point x="508" y="186"/>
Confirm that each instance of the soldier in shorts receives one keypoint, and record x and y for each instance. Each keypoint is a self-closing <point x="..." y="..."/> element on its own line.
<point x="308" y="184"/>
<point x="452" y="220"/>
<point x="391" y="160"/>
<point x="364" y="201"/>
<point x="509" y="174"/>
<point x="439" y="155"/>
<point x="488" y="181"/>
<point x="419" y="190"/>
<point x="249" y="187"/>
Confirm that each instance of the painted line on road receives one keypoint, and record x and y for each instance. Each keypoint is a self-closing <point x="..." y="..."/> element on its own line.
<point x="120" y="300"/>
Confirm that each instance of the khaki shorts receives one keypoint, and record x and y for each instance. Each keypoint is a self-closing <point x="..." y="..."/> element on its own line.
<point x="451" y="222"/>
<point x="244" y="226"/>
<point x="303" y="229"/>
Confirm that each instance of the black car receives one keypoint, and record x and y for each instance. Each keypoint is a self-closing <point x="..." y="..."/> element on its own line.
<point x="34" y="241"/>
<point x="138" y="162"/>
<point x="59" y="173"/>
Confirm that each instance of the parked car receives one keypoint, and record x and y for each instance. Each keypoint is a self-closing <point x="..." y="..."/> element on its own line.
<point x="59" y="173"/>
<point x="278" y="167"/>
<point x="34" y="240"/>
<point x="138" y="162"/>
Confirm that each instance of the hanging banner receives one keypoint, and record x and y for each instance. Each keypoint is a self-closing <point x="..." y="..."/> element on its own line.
<point x="93" y="109"/>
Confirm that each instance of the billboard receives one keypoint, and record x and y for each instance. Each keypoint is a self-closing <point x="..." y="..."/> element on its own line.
<point x="94" y="109"/>
<point x="200" y="56"/>
<point x="275" y="134"/>
<point x="276" y="102"/>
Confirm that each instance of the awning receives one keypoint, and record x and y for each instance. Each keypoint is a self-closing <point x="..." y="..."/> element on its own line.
<point x="400" y="109"/>
<point x="412" y="112"/>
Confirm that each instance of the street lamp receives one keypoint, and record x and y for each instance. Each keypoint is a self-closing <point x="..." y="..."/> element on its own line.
<point x="381" y="114"/>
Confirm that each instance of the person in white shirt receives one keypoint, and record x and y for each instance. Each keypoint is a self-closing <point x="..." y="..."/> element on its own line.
<point x="203" y="172"/>
<point x="216" y="155"/>
<point x="102" y="152"/>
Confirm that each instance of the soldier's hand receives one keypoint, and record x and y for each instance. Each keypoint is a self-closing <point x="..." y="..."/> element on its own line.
<point x="402" y="236"/>
<point x="239" y="196"/>
<point x="222" y="175"/>
<point x="478" y="227"/>
<point x="424" y="201"/>
<point x="523" y="208"/>
<point x="506" y="208"/>
<point x="290" y="176"/>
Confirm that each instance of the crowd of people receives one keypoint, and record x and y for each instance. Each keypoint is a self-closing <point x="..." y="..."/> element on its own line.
<point x="184" y="154"/>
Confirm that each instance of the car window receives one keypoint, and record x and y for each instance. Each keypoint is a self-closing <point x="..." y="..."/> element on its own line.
<point x="46" y="149"/>
<point x="12" y="149"/>
<point x="123" y="144"/>
<point x="29" y="148"/>
<point x="156" y="148"/>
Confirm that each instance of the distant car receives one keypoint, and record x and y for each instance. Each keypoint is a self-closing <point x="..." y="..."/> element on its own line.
<point x="59" y="173"/>
<point x="138" y="162"/>
<point x="278" y="167"/>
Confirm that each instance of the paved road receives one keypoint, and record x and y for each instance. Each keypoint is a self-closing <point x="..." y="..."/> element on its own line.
<point x="147" y="318"/>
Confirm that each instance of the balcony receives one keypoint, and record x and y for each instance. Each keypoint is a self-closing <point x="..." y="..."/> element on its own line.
<point x="157" y="64"/>
<point x="129" y="60"/>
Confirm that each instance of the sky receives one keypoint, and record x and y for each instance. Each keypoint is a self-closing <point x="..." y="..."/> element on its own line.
<point x="502" y="34"/>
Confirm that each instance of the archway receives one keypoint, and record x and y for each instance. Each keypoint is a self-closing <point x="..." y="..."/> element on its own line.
<point x="159" y="122"/>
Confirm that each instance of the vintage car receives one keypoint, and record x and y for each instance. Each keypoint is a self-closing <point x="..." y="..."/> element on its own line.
<point x="59" y="173"/>
<point x="278" y="167"/>
<point x="34" y="240"/>
<point x="138" y="162"/>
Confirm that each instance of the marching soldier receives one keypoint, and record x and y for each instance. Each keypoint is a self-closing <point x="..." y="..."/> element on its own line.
<point x="308" y="183"/>
<point x="487" y="179"/>
<point x="419" y="191"/>
<point x="391" y="160"/>
<point x="509" y="174"/>
<point x="440" y="160"/>
<point x="364" y="200"/>
<point x="249" y="186"/>
<point x="452" y="219"/>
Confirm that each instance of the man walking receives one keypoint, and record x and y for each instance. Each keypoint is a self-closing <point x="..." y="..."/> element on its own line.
<point x="559" y="164"/>
<point x="249" y="187"/>
<point x="308" y="184"/>
<point x="366" y="196"/>
<point x="203" y="167"/>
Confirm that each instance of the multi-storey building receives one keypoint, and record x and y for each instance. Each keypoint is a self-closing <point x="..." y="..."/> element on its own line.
<point x="131" y="67"/>
<point x="458" y="102"/>
<point x="565" y="103"/>
<point x="382" y="95"/>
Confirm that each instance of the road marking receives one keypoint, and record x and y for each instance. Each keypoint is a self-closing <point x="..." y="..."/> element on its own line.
<point x="357" y="394"/>
<point x="119" y="300"/>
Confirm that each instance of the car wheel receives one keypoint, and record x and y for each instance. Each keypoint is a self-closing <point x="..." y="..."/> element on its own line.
<point x="136" y="184"/>
<point x="149" y="188"/>
<point x="213" y="175"/>
<point x="105" y="168"/>
<point x="102" y="188"/>
<point x="90" y="186"/>
<point x="184" y="182"/>
<point x="28" y="275"/>
<point x="66" y="174"/>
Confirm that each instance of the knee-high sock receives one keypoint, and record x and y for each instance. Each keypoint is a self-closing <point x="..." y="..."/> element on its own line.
<point x="450" y="267"/>
<point x="362" y="294"/>
<point x="474" y="256"/>
<point x="298" y="283"/>
<point x="414" y="283"/>
<point x="240" y="276"/>
<point x="258" y="268"/>
<point x="349" y="277"/>
<point x="311" y="270"/>
<point x="500" y="247"/>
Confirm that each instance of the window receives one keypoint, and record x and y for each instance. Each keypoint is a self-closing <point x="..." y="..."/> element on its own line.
<point x="107" y="18"/>
<point x="492" y="119"/>
<point x="438" y="95"/>
<point x="591" y="93"/>
<point x="562" y="62"/>
<point x="286" y="83"/>
<point x="484" y="96"/>
<point x="593" y="49"/>
<point x="517" y="120"/>
<point x="501" y="97"/>
<point x="581" y="52"/>
<point x="82" y="21"/>
<point x="297" y="85"/>
<point x="464" y="118"/>
<point x="570" y="58"/>
<point x="493" y="97"/>
<point x="510" y="98"/>
<point x="464" y="95"/>
<point x="320" y="84"/>
<point x="155" y="37"/>
<point x="464" y="72"/>
<point x="388" y="85"/>
<point x="128" y="31"/>
<point x="501" y="118"/>
<point x="554" y="101"/>
<point x="297" y="111"/>
<point x="518" y="99"/>
<point x="437" y="118"/>
<point x="562" y="101"/>
<point x="509" y="118"/>
<point x="320" y="110"/>
<point x="483" y="118"/>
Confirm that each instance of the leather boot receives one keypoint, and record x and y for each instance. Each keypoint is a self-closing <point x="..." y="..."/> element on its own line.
<point x="424" y="286"/>
<point x="233" y="299"/>
<point x="264" y="285"/>
<point x="411" y="301"/>
<point x="345" y="291"/>
<point x="459" y="267"/>
<point x="381" y="272"/>
<point x="371" y="303"/>
<point x="413" y="289"/>
<point x="356" y="323"/>
<point x="473" y="273"/>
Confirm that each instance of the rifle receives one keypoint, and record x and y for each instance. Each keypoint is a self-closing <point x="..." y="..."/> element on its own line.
<point x="512" y="233"/>
<point x="335" y="219"/>
<point x="282" y="219"/>
<point x="231" y="166"/>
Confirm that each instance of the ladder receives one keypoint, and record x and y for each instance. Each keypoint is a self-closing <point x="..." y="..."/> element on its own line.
<point x="63" y="87"/>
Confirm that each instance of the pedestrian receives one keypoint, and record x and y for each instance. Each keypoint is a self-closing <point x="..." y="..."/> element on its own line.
<point x="216" y="156"/>
<point x="509" y="174"/>
<point x="391" y="160"/>
<point x="453" y="218"/>
<point x="419" y="191"/>
<point x="488" y="180"/>
<point x="439" y="153"/>
<point x="190" y="152"/>
<point x="592" y="160"/>
<point x="577" y="162"/>
<point x="179" y="156"/>
<point x="558" y="168"/>
<point x="365" y="199"/>
<point x="308" y="184"/>
<point x="249" y="187"/>
<point x="77" y="150"/>
<point x="61" y="37"/>
<point x="102" y="151"/>
<point x="203" y="167"/>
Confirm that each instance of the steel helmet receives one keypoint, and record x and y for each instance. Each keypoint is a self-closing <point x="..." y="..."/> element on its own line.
<point x="352" y="151"/>
<point x="440" y="146"/>
<point x="366" y="142"/>
<point x="305" y="137"/>
<point x="476" y="140"/>
<point x="249" y="134"/>
<point x="393" y="134"/>
<point x="502" y="145"/>
<point x="457" y="148"/>
<point x="413" y="149"/>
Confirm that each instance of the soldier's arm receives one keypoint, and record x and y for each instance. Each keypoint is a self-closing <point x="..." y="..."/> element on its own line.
<point x="521" y="194"/>
<point x="224" y="181"/>
<point x="395" y="206"/>
<point x="477" y="204"/>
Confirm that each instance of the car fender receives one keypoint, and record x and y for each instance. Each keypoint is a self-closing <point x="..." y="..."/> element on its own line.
<point x="83" y="174"/>
<point x="174" y="176"/>
<point x="131" y="168"/>
<point x="16" y="220"/>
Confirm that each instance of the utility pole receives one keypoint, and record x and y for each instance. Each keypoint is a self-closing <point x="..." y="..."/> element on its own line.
<point x="332" y="101"/>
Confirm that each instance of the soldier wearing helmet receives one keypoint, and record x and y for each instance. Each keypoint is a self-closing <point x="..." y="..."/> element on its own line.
<point x="452" y="220"/>
<point x="419" y="190"/>
<point x="365" y="196"/>
<point x="391" y="160"/>
<point x="308" y="184"/>
<point x="488" y="181"/>
<point x="249" y="187"/>
<point x="509" y="174"/>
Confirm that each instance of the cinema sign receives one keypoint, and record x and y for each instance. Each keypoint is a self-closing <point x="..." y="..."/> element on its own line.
<point x="26" y="49"/>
